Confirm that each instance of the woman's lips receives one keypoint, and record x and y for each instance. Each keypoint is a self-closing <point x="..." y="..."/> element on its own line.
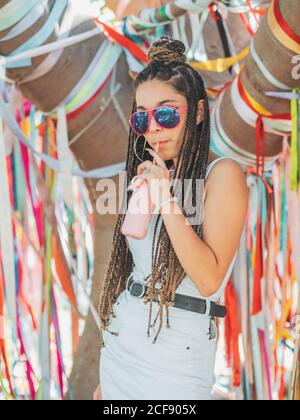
<point x="161" y="143"/>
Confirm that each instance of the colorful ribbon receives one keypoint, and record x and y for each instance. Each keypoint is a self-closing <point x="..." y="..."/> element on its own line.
<point x="14" y="11"/>
<point x="41" y="36"/>
<point x="221" y="64"/>
<point x="295" y="142"/>
<point x="280" y="28"/>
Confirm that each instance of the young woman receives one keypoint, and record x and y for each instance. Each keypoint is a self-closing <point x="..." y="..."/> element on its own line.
<point x="180" y="267"/>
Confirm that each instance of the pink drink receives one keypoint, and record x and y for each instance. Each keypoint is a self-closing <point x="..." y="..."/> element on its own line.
<point x="139" y="212"/>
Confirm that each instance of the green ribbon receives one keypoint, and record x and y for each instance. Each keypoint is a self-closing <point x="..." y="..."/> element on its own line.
<point x="295" y="143"/>
<point x="6" y="394"/>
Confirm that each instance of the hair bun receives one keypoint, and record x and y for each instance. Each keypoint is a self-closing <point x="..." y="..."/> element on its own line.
<point x="167" y="50"/>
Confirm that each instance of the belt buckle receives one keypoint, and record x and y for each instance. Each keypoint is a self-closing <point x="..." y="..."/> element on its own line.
<point x="212" y="331"/>
<point x="137" y="289"/>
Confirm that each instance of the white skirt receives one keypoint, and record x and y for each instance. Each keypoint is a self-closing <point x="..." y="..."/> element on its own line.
<point x="178" y="366"/>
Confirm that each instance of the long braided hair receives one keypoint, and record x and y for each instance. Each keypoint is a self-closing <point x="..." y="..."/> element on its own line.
<point x="167" y="63"/>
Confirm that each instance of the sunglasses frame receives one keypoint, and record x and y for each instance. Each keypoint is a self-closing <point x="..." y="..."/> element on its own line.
<point x="150" y="114"/>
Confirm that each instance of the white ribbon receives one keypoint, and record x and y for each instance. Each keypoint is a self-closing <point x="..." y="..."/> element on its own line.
<point x="15" y="102"/>
<point x="168" y="12"/>
<point x="51" y="60"/>
<point x="65" y="158"/>
<point x="6" y="234"/>
<point x="28" y="21"/>
<point x="52" y="46"/>
<point x="182" y="28"/>
<point x="197" y="50"/>
<point x="242" y="6"/>
<point x="284" y="95"/>
<point x="267" y="74"/>
<point x="293" y="203"/>
<point x="195" y="6"/>
<point x="14" y="11"/>
<point x="175" y="29"/>
<point x="44" y="354"/>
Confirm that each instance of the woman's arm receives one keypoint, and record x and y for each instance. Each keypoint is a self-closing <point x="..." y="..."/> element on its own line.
<point x="97" y="394"/>
<point x="206" y="261"/>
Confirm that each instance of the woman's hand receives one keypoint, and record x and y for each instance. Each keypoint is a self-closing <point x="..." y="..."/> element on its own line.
<point x="97" y="394"/>
<point x="157" y="176"/>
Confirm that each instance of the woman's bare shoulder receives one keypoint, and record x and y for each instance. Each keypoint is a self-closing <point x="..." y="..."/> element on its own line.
<point x="224" y="173"/>
<point x="225" y="211"/>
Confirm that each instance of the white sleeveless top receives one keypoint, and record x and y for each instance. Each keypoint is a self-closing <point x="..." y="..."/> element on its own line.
<point x="141" y="250"/>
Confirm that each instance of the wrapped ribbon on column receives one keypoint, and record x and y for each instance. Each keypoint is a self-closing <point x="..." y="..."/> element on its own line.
<point x="28" y="21"/>
<point x="14" y="11"/>
<point x="281" y="29"/>
<point x="261" y="114"/>
<point x="41" y="36"/>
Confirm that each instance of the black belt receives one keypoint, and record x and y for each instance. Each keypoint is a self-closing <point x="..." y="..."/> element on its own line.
<point x="189" y="303"/>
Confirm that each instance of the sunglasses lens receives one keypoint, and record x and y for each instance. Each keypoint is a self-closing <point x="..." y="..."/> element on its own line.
<point x="139" y="122"/>
<point x="166" y="117"/>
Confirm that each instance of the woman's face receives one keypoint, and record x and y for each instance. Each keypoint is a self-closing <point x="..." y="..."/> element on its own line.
<point x="152" y="94"/>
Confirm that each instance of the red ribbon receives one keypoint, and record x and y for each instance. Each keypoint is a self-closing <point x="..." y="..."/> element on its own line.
<point x="283" y="24"/>
<point x="213" y="12"/>
<point x="232" y="333"/>
<point x="258" y="269"/>
<point x="273" y="116"/>
<point x="260" y="131"/>
<point x="125" y="42"/>
<point x="79" y="110"/>
<point x="255" y="11"/>
<point x="260" y="145"/>
<point x="246" y="24"/>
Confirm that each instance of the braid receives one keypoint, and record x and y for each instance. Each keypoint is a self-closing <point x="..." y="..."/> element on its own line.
<point x="167" y="64"/>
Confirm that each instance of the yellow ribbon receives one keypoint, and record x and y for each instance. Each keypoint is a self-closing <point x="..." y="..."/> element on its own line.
<point x="220" y="64"/>
<point x="258" y="107"/>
